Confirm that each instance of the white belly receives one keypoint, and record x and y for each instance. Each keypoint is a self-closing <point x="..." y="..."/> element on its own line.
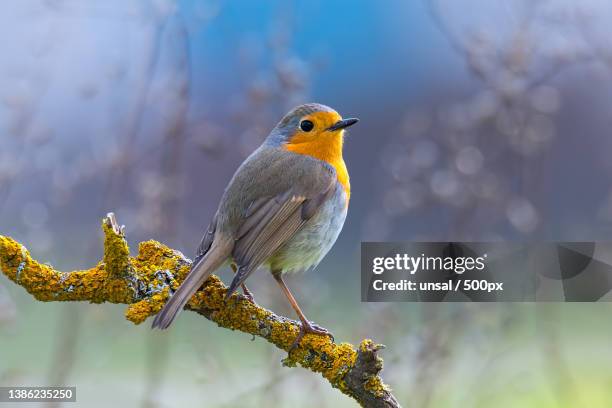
<point x="309" y="245"/>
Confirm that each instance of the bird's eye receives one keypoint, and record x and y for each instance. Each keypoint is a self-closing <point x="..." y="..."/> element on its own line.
<point x="306" y="125"/>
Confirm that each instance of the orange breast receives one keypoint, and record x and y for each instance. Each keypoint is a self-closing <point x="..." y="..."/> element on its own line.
<point x="326" y="147"/>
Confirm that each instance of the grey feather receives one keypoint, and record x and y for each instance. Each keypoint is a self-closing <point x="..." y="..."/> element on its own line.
<point x="273" y="230"/>
<point x="206" y="241"/>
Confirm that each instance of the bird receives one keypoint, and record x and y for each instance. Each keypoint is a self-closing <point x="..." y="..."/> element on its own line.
<point x="284" y="208"/>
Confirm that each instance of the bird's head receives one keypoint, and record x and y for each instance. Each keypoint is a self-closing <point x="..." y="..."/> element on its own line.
<point x="310" y="124"/>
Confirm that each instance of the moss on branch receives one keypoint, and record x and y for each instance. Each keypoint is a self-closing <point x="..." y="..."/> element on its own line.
<point x="143" y="284"/>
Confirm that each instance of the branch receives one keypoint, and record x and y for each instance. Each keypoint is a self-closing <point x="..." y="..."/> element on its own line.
<point x="143" y="283"/>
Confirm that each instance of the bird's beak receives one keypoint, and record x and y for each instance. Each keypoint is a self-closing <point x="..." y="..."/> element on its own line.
<point x="341" y="124"/>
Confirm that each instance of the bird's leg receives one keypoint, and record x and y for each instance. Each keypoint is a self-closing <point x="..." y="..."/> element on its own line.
<point x="247" y="293"/>
<point x="306" y="326"/>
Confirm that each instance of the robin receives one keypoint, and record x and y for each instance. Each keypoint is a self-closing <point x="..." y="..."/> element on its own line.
<point x="284" y="208"/>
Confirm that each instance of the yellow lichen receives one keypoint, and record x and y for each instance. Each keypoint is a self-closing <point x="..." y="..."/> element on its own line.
<point x="366" y="345"/>
<point x="373" y="383"/>
<point x="139" y="311"/>
<point x="116" y="251"/>
<point x="375" y="386"/>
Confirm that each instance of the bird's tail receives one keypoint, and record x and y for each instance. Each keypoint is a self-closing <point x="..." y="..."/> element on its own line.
<point x="214" y="258"/>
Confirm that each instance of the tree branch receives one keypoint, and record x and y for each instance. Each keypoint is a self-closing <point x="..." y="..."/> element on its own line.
<point x="143" y="283"/>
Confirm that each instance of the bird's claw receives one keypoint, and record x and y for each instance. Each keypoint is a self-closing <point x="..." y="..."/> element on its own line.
<point x="247" y="294"/>
<point x="311" y="328"/>
<point x="249" y="297"/>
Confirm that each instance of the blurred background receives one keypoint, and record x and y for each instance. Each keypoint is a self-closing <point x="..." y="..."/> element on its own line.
<point x="479" y="121"/>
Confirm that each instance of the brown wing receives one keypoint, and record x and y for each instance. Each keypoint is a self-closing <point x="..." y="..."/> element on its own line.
<point x="269" y="226"/>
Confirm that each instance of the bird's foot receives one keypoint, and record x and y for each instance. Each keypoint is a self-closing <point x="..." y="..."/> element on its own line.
<point x="311" y="328"/>
<point x="247" y="294"/>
